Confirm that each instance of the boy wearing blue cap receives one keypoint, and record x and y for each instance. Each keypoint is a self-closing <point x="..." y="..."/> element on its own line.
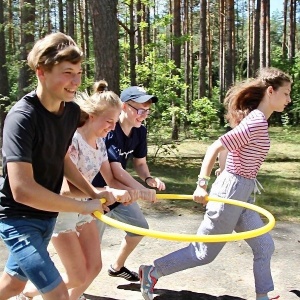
<point x="129" y="139"/>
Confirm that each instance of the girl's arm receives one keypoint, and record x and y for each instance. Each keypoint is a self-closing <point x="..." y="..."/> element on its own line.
<point x="209" y="160"/>
<point x="222" y="161"/>
<point x="109" y="178"/>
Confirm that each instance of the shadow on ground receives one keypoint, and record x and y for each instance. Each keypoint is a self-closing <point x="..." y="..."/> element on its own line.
<point x="163" y="294"/>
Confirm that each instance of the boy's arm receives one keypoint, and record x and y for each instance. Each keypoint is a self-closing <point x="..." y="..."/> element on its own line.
<point x="27" y="191"/>
<point x="142" y="169"/>
<point x="124" y="177"/>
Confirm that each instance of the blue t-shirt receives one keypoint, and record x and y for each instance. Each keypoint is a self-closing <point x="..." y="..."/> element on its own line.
<point x="120" y="148"/>
<point x="34" y="135"/>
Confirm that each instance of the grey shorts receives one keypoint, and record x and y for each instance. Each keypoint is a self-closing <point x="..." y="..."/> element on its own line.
<point x="131" y="214"/>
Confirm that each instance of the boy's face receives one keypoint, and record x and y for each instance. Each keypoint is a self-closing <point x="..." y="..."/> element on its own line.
<point x="137" y="112"/>
<point x="61" y="83"/>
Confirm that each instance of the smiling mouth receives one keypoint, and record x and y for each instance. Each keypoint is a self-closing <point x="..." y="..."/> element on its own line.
<point x="70" y="91"/>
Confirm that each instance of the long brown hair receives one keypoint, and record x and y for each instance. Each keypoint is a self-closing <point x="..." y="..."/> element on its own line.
<point x="245" y="96"/>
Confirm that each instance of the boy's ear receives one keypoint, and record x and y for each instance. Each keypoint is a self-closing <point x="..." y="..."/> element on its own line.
<point x="40" y="72"/>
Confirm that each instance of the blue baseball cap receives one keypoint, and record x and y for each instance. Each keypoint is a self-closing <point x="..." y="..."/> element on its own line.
<point x="137" y="94"/>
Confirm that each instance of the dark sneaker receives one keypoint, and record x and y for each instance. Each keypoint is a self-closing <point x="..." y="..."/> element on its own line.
<point x="123" y="273"/>
<point x="148" y="281"/>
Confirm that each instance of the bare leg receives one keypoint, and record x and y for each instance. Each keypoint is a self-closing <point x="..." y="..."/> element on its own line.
<point x="90" y="245"/>
<point x="10" y="286"/>
<point x="59" y="293"/>
<point x="128" y="244"/>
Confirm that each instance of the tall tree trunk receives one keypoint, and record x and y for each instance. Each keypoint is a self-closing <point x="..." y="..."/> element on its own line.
<point x="187" y="69"/>
<point x="80" y="9"/>
<point x="4" y="86"/>
<point x="176" y="56"/>
<point x="268" y="38"/>
<point x="249" y="38"/>
<point x="221" y="49"/>
<point x="132" y="51"/>
<point x="27" y="40"/>
<point x="263" y="30"/>
<point x="256" y="38"/>
<point x="139" y="32"/>
<point x="210" y="50"/>
<point x="229" y="44"/>
<point x="284" y="31"/>
<point x="86" y="37"/>
<point x="292" y="36"/>
<point x="202" y="49"/>
<point x="11" y="35"/>
<point x="106" y="44"/>
<point x="70" y="18"/>
<point x="61" y="16"/>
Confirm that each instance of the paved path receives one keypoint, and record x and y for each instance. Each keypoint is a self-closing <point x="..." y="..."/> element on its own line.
<point x="228" y="277"/>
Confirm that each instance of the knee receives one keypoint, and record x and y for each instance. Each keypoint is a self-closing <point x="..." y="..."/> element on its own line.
<point x="77" y="278"/>
<point x="94" y="269"/>
<point x="203" y="254"/>
<point x="266" y="247"/>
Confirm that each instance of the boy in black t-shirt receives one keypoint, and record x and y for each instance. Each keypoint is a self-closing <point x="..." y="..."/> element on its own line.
<point x="37" y="133"/>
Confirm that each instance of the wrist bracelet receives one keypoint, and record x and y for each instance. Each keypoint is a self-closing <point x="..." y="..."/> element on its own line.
<point x="204" y="177"/>
<point x="149" y="177"/>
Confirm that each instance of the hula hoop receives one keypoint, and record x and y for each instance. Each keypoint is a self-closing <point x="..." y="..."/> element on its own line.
<point x="195" y="238"/>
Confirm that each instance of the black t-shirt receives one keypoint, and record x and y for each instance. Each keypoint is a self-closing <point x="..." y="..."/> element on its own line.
<point x="121" y="147"/>
<point x="34" y="135"/>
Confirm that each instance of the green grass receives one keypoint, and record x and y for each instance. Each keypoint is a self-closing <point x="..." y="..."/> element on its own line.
<point x="279" y="174"/>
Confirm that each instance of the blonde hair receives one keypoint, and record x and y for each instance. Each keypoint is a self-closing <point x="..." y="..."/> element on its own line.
<point x="245" y="96"/>
<point x="100" y="86"/>
<point x="96" y="104"/>
<point x="53" y="49"/>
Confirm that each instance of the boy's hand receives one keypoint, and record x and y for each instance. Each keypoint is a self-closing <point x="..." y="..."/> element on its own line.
<point x="148" y="195"/>
<point x="155" y="183"/>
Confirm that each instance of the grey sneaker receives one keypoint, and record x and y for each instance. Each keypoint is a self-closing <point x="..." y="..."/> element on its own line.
<point x="148" y="281"/>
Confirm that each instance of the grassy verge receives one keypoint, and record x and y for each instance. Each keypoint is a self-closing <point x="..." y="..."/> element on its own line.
<point x="279" y="175"/>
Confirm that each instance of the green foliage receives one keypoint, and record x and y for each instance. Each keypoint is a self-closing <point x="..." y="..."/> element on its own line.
<point x="158" y="76"/>
<point x="202" y="116"/>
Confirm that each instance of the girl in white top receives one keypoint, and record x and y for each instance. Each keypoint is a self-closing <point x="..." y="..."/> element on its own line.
<point x="249" y="106"/>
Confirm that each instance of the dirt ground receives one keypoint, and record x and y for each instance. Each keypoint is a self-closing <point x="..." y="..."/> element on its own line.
<point x="228" y="277"/>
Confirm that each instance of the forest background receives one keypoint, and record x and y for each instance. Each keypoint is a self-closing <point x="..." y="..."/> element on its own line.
<point x="186" y="52"/>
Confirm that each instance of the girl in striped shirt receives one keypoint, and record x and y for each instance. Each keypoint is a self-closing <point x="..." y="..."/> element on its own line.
<point x="249" y="105"/>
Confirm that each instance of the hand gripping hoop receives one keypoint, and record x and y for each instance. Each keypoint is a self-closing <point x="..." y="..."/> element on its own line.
<point x="195" y="238"/>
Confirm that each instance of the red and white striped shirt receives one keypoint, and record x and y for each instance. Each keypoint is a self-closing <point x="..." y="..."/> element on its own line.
<point x="247" y="145"/>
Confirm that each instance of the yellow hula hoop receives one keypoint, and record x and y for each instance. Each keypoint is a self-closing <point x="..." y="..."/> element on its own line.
<point x="190" y="237"/>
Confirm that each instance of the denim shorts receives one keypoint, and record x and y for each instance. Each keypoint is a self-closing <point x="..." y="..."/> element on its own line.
<point x="27" y="241"/>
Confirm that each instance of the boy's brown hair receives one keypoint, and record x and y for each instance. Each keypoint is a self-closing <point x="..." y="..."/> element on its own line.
<point x="53" y="49"/>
